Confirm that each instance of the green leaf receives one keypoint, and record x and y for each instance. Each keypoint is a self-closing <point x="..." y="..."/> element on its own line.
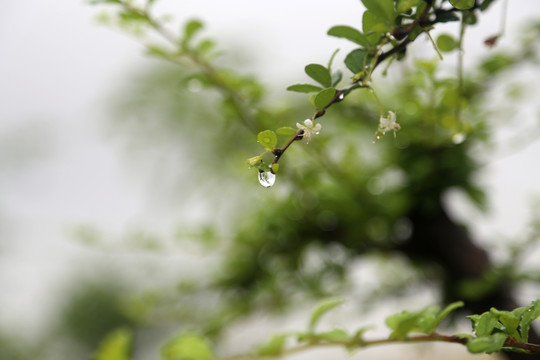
<point x="304" y="88"/>
<point x="336" y="77"/>
<point x="323" y="98"/>
<point x="373" y="26"/>
<point x="274" y="347"/>
<point x="443" y="17"/>
<point x="190" y="29"/>
<point x="447" y="310"/>
<point x="485" y="4"/>
<point x="187" y="347"/>
<point x="446" y="43"/>
<point x="286" y="130"/>
<point x="158" y="51"/>
<point x="349" y="33"/>
<point x="132" y="15"/>
<point x="322" y="309"/>
<point x="510" y="321"/>
<point x="427" y="322"/>
<point x="462" y="4"/>
<point x="382" y="8"/>
<point x="267" y="138"/>
<point x="332" y="60"/>
<point x="484" y="324"/>
<point x="320" y="74"/>
<point x="357" y="60"/>
<point x="402" y="323"/>
<point x="205" y="46"/>
<point x="406" y="5"/>
<point x="487" y="344"/>
<point x="338" y="335"/>
<point x="116" y="346"/>
<point x="528" y="316"/>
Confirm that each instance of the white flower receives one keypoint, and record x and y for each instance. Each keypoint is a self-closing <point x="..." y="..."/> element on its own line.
<point x="388" y="123"/>
<point x="309" y="128"/>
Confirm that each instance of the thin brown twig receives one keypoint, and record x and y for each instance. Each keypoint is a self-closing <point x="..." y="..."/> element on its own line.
<point x="361" y="343"/>
<point x="341" y="93"/>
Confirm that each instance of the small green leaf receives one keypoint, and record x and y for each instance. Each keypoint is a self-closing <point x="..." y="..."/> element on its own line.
<point x="254" y="161"/>
<point x="158" y="51"/>
<point x="382" y="8"/>
<point x="332" y="60"/>
<point x="338" y="335"/>
<point x="336" y="77"/>
<point x="528" y="316"/>
<point x="406" y="5"/>
<point x="447" y="310"/>
<point x="187" y="347"/>
<point x="427" y="322"/>
<point x="323" y="98"/>
<point x="116" y="346"/>
<point x="286" y="130"/>
<point x="322" y="309"/>
<point x="304" y="88"/>
<point x="402" y="323"/>
<point x="274" y="347"/>
<point x="132" y="15"/>
<point x="462" y="4"/>
<point x="485" y="4"/>
<point x="275" y="168"/>
<point x="371" y="23"/>
<point x="205" y="46"/>
<point x="446" y="43"/>
<point x="312" y="99"/>
<point x="320" y="74"/>
<point x="487" y="344"/>
<point x="484" y="324"/>
<point x="357" y="60"/>
<point x="267" y="138"/>
<point x="510" y="321"/>
<point x="190" y="29"/>
<point x="349" y="33"/>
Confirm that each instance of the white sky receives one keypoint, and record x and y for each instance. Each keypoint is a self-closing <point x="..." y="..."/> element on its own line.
<point x="57" y="167"/>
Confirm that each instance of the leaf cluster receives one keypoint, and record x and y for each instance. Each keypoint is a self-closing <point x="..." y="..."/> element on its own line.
<point x="495" y="327"/>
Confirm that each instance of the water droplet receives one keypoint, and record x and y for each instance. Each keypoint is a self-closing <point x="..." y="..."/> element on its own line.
<point x="458" y="138"/>
<point x="341" y="96"/>
<point x="266" y="178"/>
<point x="195" y="85"/>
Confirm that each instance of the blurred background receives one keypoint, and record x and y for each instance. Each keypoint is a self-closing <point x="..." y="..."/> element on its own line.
<point x="99" y="187"/>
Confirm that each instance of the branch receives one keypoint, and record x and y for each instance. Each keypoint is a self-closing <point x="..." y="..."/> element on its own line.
<point x="204" y="66"/>
<point x="404" y="34"/>
<point x="360" y="343"/>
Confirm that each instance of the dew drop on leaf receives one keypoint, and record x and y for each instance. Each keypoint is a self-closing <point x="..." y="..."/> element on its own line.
<point x="266" y="178"/>
<point x="458" y="138"/>
<point x="195" y="85"/>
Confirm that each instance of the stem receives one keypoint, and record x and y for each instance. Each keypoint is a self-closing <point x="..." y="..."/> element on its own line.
<point x="278" y="152"/>
<point x="461" y="54"/>
<point x="205" y="67"/>
<point x="381" y="108"/>
<point x="341" y="93"/>
<point x="435" y="45"/>
<point x="434" y="337"/>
